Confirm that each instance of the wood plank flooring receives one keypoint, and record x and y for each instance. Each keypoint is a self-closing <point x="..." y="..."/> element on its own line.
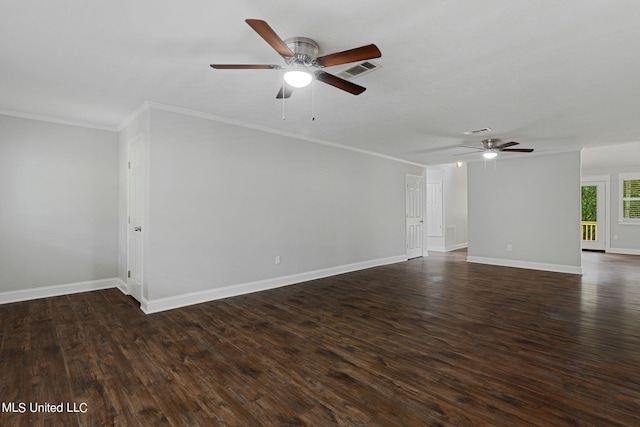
<point x="432" y="341"/>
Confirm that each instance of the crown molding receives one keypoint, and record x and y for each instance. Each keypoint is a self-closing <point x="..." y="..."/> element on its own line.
<point x="134" y="115"/>
<point x="206" y="116"/>
<point x="57" y="120"/>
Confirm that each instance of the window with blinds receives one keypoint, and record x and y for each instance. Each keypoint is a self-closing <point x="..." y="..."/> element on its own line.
<point x="630" y="198"/>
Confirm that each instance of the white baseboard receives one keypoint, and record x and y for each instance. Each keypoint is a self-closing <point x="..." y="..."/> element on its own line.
<point x="458" y="246"/>
<point x="123" y="286"/>
<point x="445" y="249"/>
<point x="57" y="290"/>
<point x="557" y="268"/>
<point x="623" y="251"/>
<point x="169" y="303"/>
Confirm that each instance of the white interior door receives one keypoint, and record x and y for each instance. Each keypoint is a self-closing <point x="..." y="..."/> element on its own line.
<point x="434" y="209"/>
<point x="593" y="231"/>
<point x="134" y="208"/>
<point x="415" y="215"/>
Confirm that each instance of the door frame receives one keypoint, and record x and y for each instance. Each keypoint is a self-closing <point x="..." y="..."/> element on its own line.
<point x="605" y="181"/>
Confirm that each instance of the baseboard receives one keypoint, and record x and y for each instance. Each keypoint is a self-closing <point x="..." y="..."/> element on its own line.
<point x="445" y="249"/>
<point x="557" y="268"/>
<point x="57" y="290"/>
<point x="456" y="247"/>
<point x="623" y="251"/>
<point x="169" y="303"/>
<point x="124" y="288"/>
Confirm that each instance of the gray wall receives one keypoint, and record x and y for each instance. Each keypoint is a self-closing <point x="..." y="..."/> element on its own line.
<point x="58" y="204"/>
<point x="224" y="201"/>
<point x="532" y="203"/>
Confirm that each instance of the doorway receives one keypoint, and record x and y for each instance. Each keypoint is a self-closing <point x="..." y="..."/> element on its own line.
<point x="435" y="209"/>
<point x="593" y="223"/>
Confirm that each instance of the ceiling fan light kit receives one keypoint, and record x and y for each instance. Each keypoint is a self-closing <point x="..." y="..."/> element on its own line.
<point x="490" y="154"/>
<point x="298" y="78"/>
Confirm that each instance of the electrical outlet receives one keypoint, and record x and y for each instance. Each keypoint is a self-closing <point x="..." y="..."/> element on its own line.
<point x="277" y="259"/>
<point x="509" y="247"/>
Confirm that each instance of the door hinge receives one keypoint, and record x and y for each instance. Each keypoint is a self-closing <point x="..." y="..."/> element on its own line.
<point x="129" y="165"/>
<point x="129" y="219"/>
<point x="129" y="274"/>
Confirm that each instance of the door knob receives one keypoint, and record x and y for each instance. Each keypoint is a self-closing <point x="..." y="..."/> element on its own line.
<point x="137" y="229"/>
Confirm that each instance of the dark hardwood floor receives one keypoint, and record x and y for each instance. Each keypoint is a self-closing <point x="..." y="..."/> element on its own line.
<point x="433" y="341"/>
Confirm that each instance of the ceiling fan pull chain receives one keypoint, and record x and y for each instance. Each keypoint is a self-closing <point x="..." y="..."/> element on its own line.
<point x="283" y="89"/>
<point x="313" y="100"/>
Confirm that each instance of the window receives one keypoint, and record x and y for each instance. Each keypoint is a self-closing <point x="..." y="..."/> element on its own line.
<point x="629" y="207"/>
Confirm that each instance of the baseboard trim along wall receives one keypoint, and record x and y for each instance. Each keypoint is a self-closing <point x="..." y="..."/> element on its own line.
<point x="58" y="290"/>
<point x="623" y="251"/>
<point x="447" y="249"/>
<point x="557" y="268"/>
<point x="169" y="303"/>
<point x="456" y="247"/>
<point x="124" y="288"/>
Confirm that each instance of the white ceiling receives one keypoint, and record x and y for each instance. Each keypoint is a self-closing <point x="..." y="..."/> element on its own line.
<point x="550" y="74"/>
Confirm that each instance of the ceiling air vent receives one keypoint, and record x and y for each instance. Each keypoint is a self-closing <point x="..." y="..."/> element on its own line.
<point x="473" y="132"/>
<point x="358" y="70"/>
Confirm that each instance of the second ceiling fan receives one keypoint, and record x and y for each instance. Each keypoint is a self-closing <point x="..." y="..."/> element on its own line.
<point x="302" y="62"/>
<point x="492" y="146"/>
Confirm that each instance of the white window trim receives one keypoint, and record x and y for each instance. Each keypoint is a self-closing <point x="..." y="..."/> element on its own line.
<point x="621" y="178"/>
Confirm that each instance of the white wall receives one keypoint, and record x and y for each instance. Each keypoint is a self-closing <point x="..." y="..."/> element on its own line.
<point x="532" y="203"/>
<point x="58" y="204"/>
<point x="611" y="161"/>
<point x="224" y="201"/>
<point x="454" y="202"/>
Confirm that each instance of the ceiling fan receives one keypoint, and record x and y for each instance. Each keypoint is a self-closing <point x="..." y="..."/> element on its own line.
<point x="302" y="62"/>
<point x="492" y="146"/>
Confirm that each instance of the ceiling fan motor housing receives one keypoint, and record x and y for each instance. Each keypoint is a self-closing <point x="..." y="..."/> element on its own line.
<point x="304" y="50"/>
<point x="491" y="143"/>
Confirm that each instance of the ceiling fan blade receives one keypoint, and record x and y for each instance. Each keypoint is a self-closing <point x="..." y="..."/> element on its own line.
<point x="507" y="144"/>
<point x="285" y="91"/>
<point x="245" y="66"/>
<point x="351" y="55"/>
<point x="468" y="152"/>
<point x="266" y="32"/>
<point x="343" y="84"/>
<point x="518" y="150"/>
